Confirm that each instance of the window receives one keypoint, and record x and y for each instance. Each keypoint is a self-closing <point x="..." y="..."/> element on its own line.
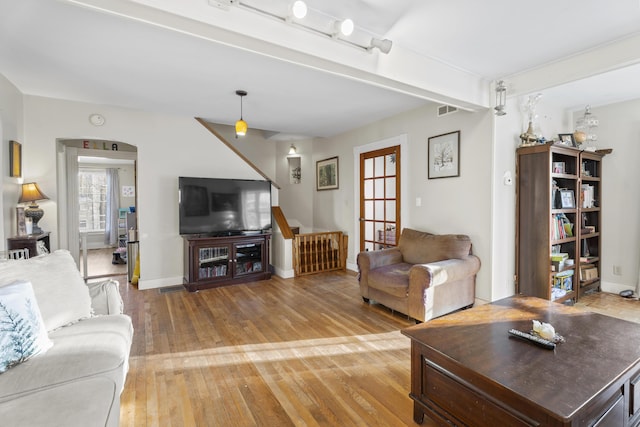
<point x="92" y="194"/>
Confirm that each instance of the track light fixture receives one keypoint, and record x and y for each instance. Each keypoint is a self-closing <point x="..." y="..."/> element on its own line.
<point x="384" y="45"/>
<point x="298" y="13"/>
<point x="241" y="125"/>
<point x="343" y="27"/>
<point x="299" y="9"/>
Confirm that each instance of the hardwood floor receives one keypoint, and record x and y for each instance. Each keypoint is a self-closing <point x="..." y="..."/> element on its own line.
<point x="283" y="352"/>
<point x="99" y="263"/>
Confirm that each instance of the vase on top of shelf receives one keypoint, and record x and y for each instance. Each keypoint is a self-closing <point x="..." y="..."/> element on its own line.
<point x="585" y="126"/>
<point x="532" y="135"/>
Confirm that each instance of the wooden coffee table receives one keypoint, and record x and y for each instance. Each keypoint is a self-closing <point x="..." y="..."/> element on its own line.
<point x="466" y="370"/>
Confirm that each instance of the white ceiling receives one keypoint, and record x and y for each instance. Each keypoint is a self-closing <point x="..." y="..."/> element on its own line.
<point x="68" y="49"/>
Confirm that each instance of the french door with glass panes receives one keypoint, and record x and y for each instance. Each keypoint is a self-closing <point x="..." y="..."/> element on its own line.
<point x="379" y="198"/>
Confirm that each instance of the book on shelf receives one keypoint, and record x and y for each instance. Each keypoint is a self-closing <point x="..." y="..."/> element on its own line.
<point x="587" y="196"/>
<point x="562" y="228"/>
<point x="588" y="272"/>
<point x="558" y="260"/>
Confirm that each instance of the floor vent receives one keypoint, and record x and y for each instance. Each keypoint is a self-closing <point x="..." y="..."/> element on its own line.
<point x="171" y="289"/>
<point x="443" y="110"/>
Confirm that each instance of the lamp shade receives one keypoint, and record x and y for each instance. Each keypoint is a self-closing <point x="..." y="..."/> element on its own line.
<point x="241" y="128"/>
<point x="31" y="193"/>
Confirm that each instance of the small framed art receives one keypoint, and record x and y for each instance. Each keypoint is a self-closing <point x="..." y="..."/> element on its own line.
<point x="15" y="159"/>
<point x="567" y="200"/>
<point x="444" y="155"/>
<point x="327" y="174"/>
<point x="567" y="139"/>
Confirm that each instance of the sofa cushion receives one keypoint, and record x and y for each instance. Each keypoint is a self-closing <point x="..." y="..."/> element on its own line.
<point x="62" y="296"/>
<point x="392" y="279"/>
<point x="89" y="402"/>
<point x="94" y="347"/>
<point x="105" y="297"/>
<point x="22" y="332"/>
<point x="419" y="247"/>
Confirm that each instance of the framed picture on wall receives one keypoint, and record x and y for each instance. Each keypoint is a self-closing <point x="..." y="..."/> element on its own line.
<point x="15" y="159"/>
<point x="444" y="155"/>
<point x="327" y="174"/>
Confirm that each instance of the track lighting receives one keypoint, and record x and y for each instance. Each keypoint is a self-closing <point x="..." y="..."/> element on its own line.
<point x="298" y="14"/>
<point x="241" y="125"/>
<point x="299" y="9"/>
<point x="344" y="27"/>
<point x="383" y="45"/>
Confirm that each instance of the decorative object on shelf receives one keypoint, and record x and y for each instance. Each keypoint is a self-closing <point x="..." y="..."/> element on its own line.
<point x="15" y="159"/>
<point x="584" y="127"/>
<point x="31" y="193"/>
<point x="580" y="137"/>
<point x="241" y="125"/>
<point x="567" y="199"/>
<point x="341" y="29"/>
<point x="558" y="167"/>
<point x="567" y="139"/>
<point x="21" y="223"/>
<point x="531" y="136"/>
<point x="501" y="98"/>
<point x="327" y="174"/>
<point x="528" y="137"/>
<point x="444" y="155"/>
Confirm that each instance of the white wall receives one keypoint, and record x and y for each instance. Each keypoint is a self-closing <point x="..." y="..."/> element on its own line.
<point x="253" y="146"/>
<point x="477" y="203"/>
<point x="296" y="200"/>
<point x="619" y="129"/>
<point x="168" y="147"/>
<point x="11" y="120"/>
<point x="552" y="119"/>
<point x="460" y="205"/>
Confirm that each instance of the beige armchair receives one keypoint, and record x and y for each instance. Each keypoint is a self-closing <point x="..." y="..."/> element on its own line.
<point x="425" y="276"/>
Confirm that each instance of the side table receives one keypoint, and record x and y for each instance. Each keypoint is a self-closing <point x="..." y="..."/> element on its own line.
<point x="30" y="242"/>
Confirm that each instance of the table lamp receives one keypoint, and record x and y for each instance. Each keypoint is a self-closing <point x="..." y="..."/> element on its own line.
<point x="31" y="193"/>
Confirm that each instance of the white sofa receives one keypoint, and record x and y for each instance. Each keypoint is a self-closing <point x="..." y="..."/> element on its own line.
<point x="78" y="381"/>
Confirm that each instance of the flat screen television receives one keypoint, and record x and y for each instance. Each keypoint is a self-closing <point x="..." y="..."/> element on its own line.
<point x="218" y="206"/>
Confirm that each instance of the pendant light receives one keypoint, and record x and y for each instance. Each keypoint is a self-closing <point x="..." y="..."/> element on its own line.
<point x="241" y="125"/>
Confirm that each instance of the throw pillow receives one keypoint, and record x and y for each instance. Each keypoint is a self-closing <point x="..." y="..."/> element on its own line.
<point x="60" y="290"/>
<point x="22" y="331"/>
